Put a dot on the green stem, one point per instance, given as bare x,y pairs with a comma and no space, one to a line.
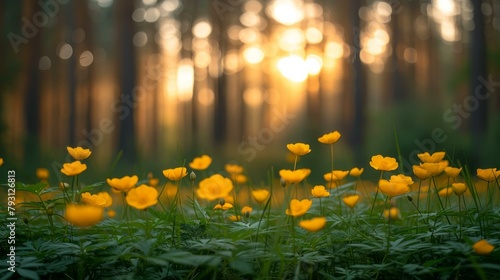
376,193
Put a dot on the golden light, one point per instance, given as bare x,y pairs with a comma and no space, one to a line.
249,35
249,19
206,97
232,62
314,64
410,55
293,67
314,35
448,31
334,50
446,8
253,97
253,6
202,59
292,39
185,80
202,29
253,54
286,12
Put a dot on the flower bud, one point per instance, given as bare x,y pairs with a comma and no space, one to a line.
192,176
222,201
282,182
410,199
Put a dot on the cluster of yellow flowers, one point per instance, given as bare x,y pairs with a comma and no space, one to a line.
88,209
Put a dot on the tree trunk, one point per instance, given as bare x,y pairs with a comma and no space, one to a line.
126,78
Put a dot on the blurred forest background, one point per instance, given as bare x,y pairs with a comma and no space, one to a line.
167,80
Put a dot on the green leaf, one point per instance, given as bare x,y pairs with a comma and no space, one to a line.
30,274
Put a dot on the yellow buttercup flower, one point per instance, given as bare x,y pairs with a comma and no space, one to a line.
299,149
142,197
434,158
294,176
226,206
320,191
421,172
93,199
459,188
351,200
435,168
123,184
335,175
392,189
107,198
201,163
314,224
152,181
381,163
42,174
330,138
1,161
356,172
79,153
400,178
83,215
246,210
175,174
74,168
488,174
445,192
482,247
260,195
233,168
298,208
392,214
214,187
452,171
234,218
239,178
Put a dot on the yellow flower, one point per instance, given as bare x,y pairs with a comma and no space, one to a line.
299,149
434,158
107,198
142,197
445,192
392,214
421,172
401,179
435,168
335,175
351,200
234,218
356,172
452,171
260,195
74,168
93,199
488,174
246,210
294,176
79,153
330,138
175,174
381,163
233,168
214,187
314,224
123,184
1,161
226,206
201,163
459,188
152,181
482,247
239,178
298,208
42,174
392,189
320,191
84,215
